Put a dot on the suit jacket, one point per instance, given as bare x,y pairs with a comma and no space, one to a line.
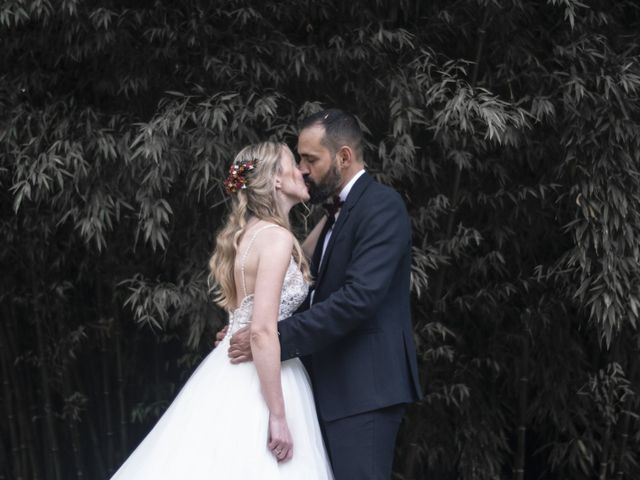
357,336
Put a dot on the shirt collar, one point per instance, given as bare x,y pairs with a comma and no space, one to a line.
347,188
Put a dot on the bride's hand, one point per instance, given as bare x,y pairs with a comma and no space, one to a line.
280,441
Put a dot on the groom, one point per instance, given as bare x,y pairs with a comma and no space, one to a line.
356,333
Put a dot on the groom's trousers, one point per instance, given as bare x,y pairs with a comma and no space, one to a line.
361,446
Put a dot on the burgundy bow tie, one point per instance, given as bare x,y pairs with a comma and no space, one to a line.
333,206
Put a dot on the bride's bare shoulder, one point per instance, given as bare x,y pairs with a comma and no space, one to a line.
274,238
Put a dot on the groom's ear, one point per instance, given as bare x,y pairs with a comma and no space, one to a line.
345,156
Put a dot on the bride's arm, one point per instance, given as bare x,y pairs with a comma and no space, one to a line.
309,244
274,254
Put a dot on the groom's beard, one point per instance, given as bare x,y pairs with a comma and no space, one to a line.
326,188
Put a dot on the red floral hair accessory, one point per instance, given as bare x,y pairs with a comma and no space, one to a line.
237,176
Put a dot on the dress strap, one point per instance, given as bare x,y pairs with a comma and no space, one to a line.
246,252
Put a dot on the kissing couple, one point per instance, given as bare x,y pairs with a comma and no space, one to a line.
312,375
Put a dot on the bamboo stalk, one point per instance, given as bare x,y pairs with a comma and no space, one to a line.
523,384
97,449
625,427
26,447
3,460
16,461
106,398
106,383
70,379
43,370
73,432
624,438
35,442
24,389
120,382
47,406
17,381
604,461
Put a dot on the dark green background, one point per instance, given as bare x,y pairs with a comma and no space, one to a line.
510,127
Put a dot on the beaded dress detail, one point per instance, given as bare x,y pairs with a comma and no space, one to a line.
218,425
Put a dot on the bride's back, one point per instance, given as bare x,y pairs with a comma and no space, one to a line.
255,243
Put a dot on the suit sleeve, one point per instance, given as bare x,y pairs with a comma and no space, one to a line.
382,238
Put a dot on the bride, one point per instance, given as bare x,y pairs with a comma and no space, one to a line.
255,420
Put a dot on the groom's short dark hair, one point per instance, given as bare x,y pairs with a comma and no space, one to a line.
341,128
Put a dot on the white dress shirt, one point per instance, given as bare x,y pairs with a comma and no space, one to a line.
343,198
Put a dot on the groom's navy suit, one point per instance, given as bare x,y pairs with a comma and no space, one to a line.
356,338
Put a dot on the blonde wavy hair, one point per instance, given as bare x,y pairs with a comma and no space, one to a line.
258,200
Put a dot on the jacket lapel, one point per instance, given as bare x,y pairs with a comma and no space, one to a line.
352,199
317,253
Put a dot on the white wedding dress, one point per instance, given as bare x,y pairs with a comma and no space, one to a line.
217,427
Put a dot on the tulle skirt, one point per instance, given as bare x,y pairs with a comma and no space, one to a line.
217,428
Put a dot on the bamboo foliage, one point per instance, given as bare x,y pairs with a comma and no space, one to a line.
510,127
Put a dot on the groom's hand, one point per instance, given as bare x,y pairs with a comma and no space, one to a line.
240,348
220,336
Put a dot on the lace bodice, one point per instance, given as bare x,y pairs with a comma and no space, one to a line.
294,291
